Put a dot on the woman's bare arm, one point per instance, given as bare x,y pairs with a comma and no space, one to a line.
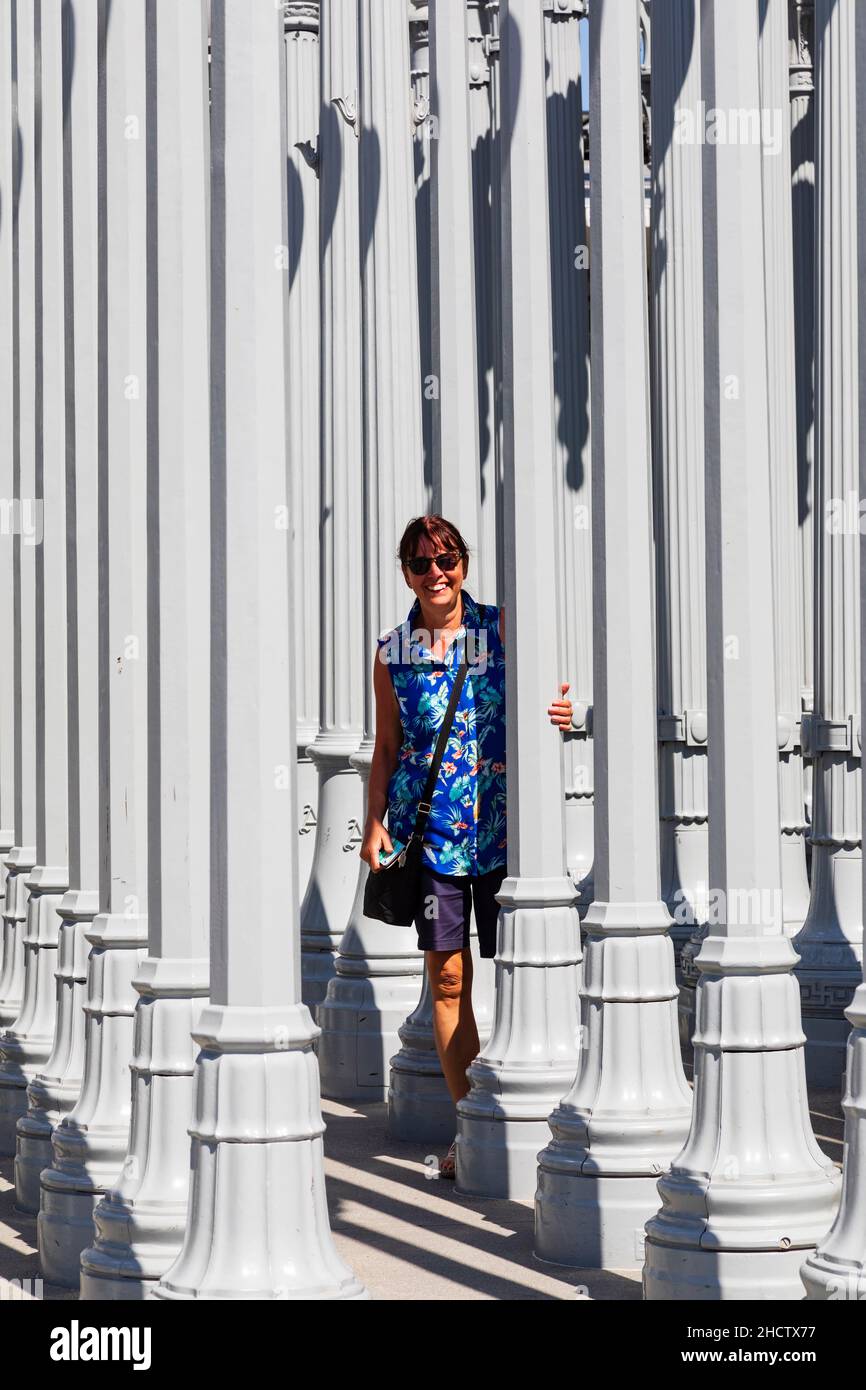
389,737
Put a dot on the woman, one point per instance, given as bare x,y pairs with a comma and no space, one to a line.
464,852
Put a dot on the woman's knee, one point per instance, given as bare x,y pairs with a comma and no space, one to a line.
447,976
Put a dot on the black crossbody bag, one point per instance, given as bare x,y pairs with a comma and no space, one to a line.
393,895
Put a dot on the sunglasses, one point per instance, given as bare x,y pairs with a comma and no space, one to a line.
448,560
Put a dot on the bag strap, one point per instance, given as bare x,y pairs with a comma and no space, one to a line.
425,804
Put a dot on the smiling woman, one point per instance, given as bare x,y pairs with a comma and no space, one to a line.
464,841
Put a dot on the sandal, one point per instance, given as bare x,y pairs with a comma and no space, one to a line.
448,1165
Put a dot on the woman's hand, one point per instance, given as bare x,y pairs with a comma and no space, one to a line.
375,838
561,710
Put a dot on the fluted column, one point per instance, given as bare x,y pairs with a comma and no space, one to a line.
140,1222
751,1189
801,41
570,300
379,968
302,110
627,1113
787,553
837,1269
28,1044
531,1056
55,1088
258,1221
21,520
424,133
333,878
678,450
456,472
831,942
419,1106
489,251
8,165
90,1142
480,75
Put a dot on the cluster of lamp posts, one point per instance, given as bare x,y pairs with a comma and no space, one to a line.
176,913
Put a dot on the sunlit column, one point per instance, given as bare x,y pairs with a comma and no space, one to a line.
837,1269
801,40
379,968
570,302
750,1190
90,1142
830,945
55,1089
140,1221
627,1113
258,1221
333,878
787,552
422,162
488,562
302,124
19,524
678,449
531,1056
419,1106
480,73
456,471
27,1041
488,257
8,165
34,1030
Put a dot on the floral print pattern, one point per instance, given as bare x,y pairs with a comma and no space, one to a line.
465,832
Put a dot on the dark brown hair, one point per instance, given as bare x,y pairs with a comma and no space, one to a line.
437,530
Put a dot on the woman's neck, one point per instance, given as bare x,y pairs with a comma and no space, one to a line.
449,623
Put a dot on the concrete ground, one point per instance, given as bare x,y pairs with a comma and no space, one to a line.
408,1236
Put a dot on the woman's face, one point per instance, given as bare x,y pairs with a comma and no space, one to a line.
438,589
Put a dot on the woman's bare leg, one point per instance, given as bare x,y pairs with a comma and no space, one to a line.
454,1027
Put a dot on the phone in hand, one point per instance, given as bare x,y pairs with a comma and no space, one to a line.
386,859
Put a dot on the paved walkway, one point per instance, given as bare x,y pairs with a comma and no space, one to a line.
408,1236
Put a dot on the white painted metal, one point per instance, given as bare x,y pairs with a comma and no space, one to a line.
91,1141
422,158
258,1224
303,372
801,22
831,942
456,471
379,968
751,1189
627,1114
480,75
27,1002
419,1106
570,303
34,1030
678,450
531,1056
781,375
837,1269
140,1221
333,878
8,406
55,1089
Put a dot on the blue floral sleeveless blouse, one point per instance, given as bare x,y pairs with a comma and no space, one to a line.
465,832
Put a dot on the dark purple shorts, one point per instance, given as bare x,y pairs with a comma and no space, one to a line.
443,921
